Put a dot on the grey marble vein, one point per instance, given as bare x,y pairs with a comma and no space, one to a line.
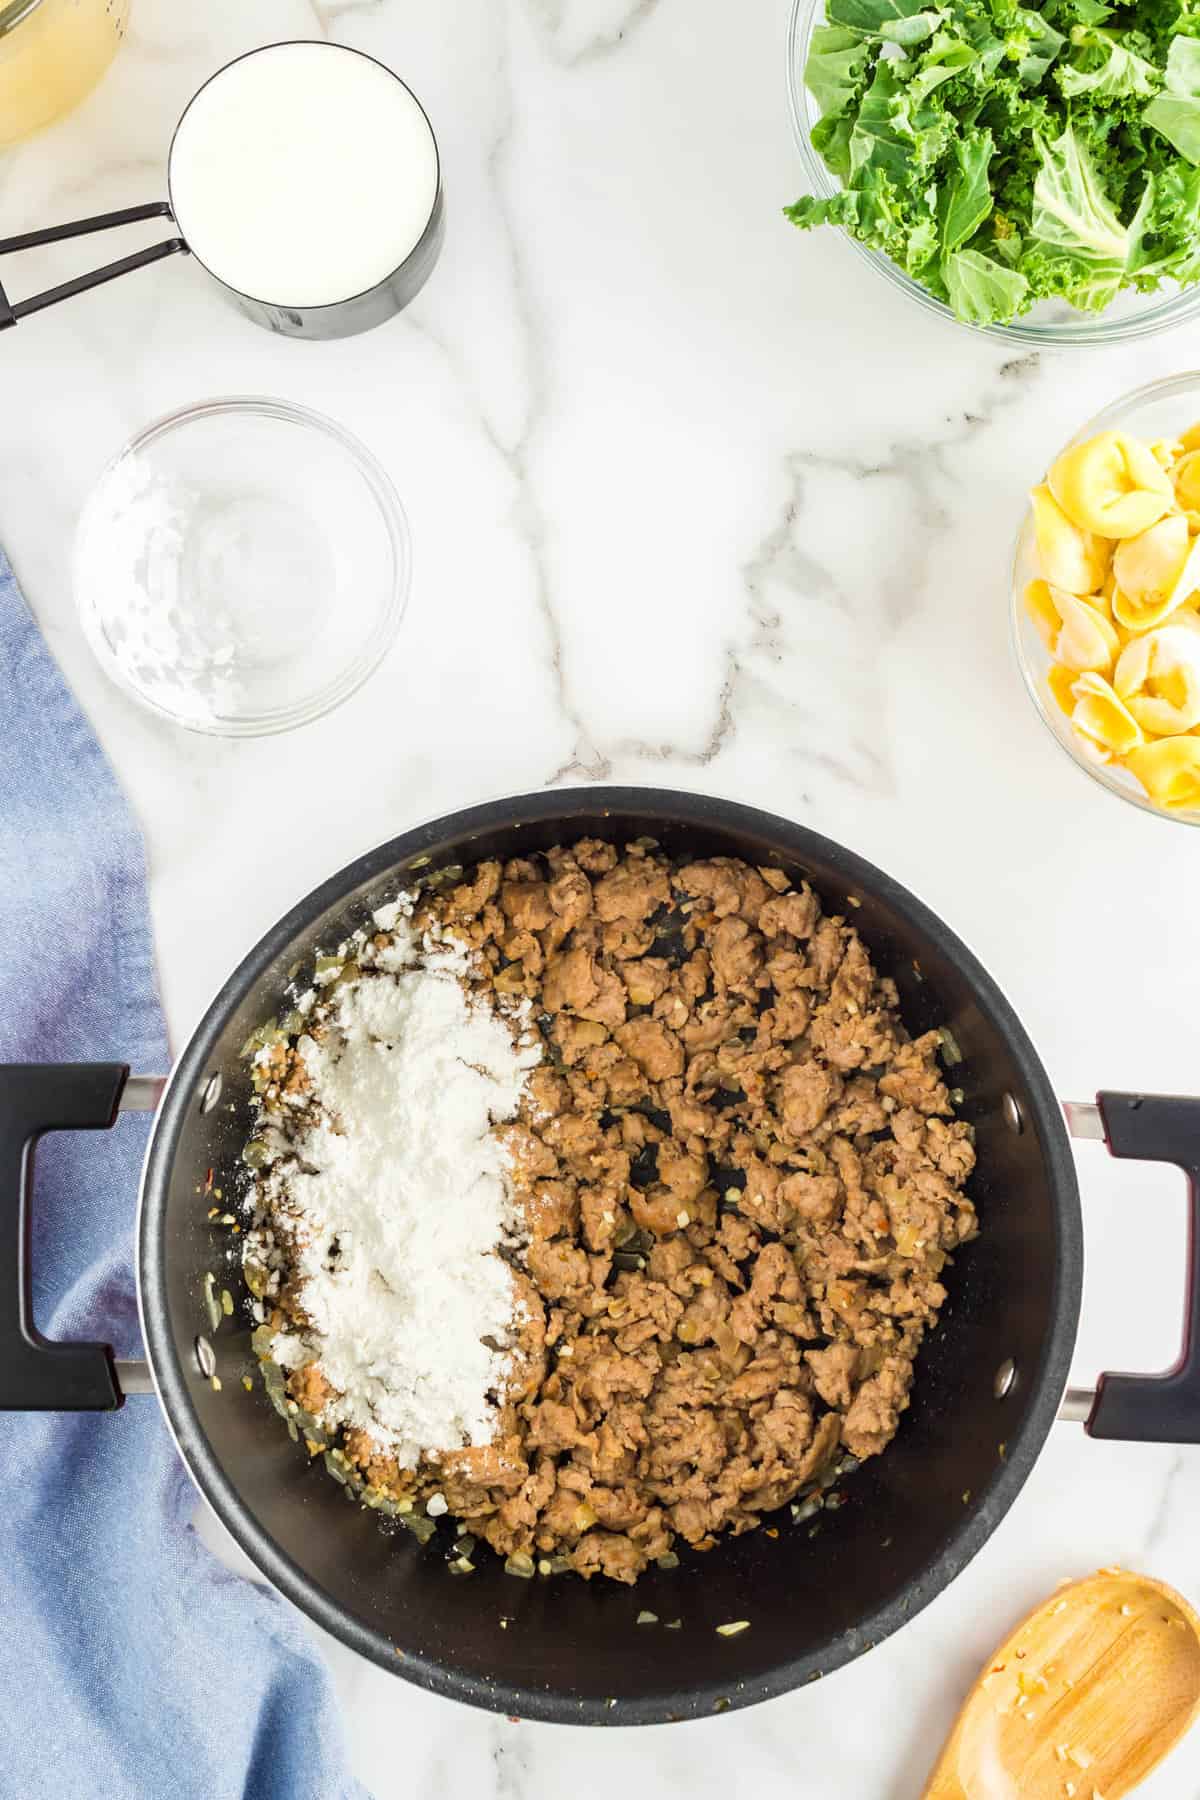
510,1762
529,513
1160,1523
551,16
328,16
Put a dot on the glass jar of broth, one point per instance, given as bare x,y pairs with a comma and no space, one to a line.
52,52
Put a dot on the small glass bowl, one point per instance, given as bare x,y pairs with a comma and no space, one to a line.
242,566
1051,324
1162,409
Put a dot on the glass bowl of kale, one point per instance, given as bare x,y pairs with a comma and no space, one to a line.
1033,172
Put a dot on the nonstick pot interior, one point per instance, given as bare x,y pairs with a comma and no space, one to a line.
821,1591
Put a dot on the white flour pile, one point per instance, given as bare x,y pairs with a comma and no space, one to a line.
399,1222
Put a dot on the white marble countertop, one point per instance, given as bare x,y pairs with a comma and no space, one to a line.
695,501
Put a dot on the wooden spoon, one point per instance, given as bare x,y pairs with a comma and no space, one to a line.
1081,1702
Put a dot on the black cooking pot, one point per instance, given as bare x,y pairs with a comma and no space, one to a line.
990,1380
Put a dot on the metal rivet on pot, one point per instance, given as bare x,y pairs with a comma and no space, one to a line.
1014,1118
1005,1376
206,1360
211,1094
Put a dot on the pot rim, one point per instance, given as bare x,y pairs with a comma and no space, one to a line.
1044,1386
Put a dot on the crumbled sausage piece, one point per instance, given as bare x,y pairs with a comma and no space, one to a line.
609,1553
659,1210
554,1427
570,895
575,1037
684,1171
814,1198
561,1271
608,1004
913,1079
471,897
646,979
835,1370
656,1050
736,955
729,886
309,1388
381,1471
805,1091
594,856
527,904
795,914
633,890
625,939
570,981
528,1153
552,1208
874,1412
500,1466
548,1093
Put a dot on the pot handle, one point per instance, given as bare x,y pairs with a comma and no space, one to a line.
37,1375
12,311
1160,1409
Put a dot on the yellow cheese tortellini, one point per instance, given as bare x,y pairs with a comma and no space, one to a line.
1117,605
1148,570
1087,640
1158,679
1077,631
1169,770
1183,618
1040,605
1070,558
1061,682
1112,485
1167,452
1101,716
1186,476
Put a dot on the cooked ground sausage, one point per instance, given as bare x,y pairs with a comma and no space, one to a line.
743,1182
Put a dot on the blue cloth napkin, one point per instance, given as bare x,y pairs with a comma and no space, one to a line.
133,1666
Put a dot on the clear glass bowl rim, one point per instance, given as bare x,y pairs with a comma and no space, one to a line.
1165,388
392,515
1086,332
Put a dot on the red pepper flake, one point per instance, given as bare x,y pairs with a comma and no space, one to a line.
208,1182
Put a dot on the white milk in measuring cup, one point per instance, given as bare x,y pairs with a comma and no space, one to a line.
305,178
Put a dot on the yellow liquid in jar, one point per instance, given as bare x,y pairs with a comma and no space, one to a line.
52,58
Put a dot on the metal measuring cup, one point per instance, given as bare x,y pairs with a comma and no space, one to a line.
339,318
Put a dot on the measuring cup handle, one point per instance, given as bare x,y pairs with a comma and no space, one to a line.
13,310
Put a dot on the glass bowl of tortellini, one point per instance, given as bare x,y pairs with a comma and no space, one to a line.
1106,598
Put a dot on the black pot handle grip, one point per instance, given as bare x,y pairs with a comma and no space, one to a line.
13,311
37,1375
1160,1409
